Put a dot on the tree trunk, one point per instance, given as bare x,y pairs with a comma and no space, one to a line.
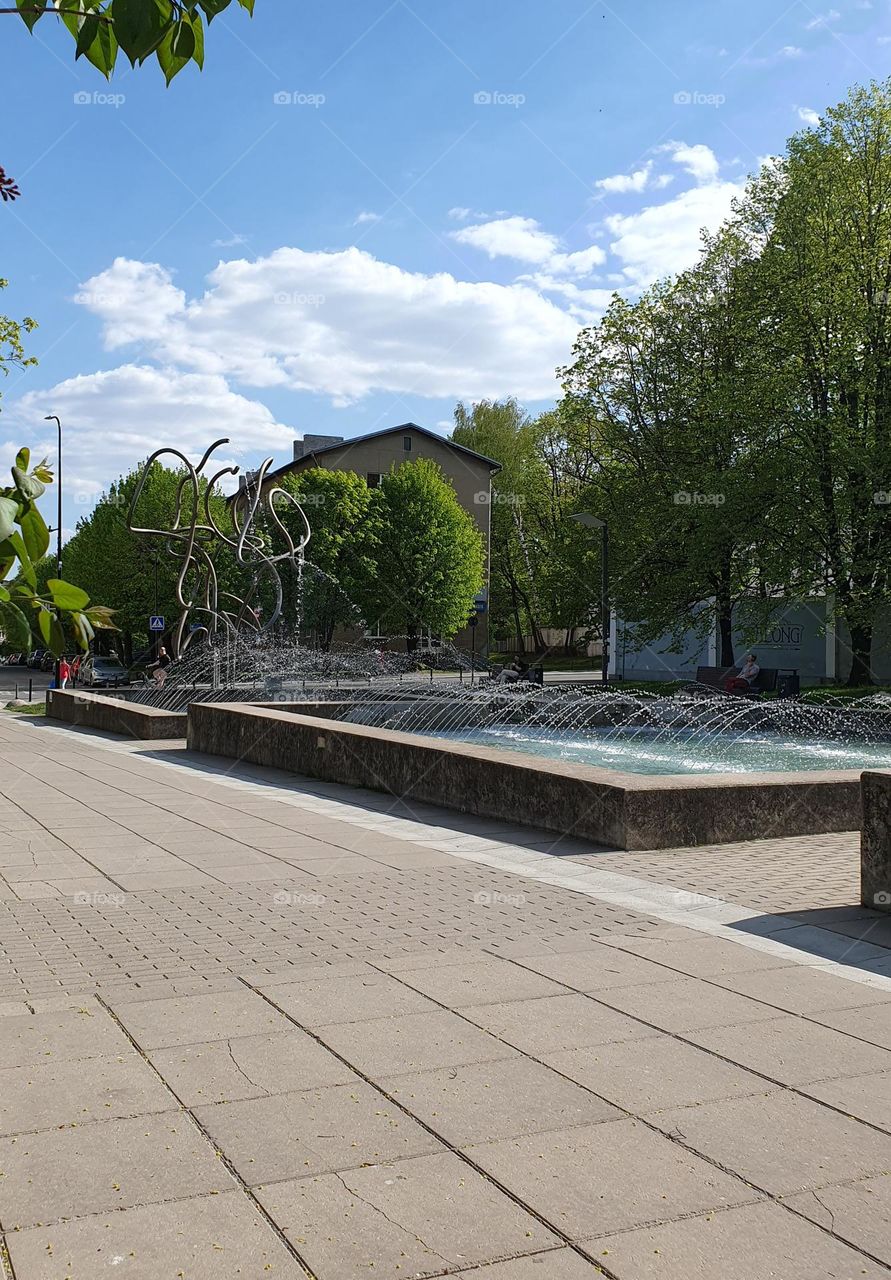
861,651
411,638
725,631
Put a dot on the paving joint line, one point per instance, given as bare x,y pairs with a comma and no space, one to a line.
221,1156
775,1198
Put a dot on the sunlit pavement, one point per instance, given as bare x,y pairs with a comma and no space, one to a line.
255,1026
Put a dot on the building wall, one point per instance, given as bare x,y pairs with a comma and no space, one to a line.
471,480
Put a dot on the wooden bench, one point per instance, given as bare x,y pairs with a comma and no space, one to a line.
714,678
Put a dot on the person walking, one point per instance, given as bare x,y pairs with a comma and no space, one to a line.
64,672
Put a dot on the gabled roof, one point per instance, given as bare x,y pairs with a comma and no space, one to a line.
391,431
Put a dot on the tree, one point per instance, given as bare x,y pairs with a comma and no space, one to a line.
338,507
670,401
170,30
118,566
425,554
822,213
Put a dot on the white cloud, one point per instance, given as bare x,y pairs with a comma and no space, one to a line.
698,160
365,217
233,242
114,419
822,20
524,240
790,51
665,238
341,324
624,182
808,116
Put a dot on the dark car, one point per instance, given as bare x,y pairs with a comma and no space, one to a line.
98,672
35,660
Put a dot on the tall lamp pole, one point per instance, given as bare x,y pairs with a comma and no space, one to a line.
593,522
51,417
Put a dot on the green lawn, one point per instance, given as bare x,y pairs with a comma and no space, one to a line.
29,709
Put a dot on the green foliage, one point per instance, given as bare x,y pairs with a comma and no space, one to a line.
135,577
426,554
32,602
172,31
12,344
337,505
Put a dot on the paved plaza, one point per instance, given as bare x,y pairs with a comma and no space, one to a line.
257,1026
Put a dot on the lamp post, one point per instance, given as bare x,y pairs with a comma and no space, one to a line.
51,417
593,522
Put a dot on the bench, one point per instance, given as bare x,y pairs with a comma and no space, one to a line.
532,675
770,680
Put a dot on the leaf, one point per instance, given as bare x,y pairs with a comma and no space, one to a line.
27,484
65,595
89,30
9,514
31,19
247,4
198,29
14,624
103,52
101,617
51,631
23,459
183,44
19,549
169,62
140,26
82,629
34,532
212,7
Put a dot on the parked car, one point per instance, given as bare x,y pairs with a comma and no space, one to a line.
98,672
35,659
48,662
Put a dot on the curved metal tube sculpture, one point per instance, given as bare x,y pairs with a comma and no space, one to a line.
191,539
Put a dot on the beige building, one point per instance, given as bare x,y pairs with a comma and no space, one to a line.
372,456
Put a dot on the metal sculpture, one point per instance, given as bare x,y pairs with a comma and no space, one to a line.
192,536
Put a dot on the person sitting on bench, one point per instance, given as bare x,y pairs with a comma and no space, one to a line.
744,682
516,671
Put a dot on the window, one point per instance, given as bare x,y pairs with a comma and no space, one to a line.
373,479
406,443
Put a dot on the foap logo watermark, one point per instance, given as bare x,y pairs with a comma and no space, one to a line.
882,898
683,498
881,498
495,98
296,98
99,99
99,899
87,499
496,899
285,899
299,299
484,499
696,98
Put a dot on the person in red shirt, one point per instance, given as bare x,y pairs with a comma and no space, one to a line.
64,672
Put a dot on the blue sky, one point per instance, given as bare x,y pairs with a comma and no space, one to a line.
363,211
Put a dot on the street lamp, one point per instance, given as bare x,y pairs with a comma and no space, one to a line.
593,522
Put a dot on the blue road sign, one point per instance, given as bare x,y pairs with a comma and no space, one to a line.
157,623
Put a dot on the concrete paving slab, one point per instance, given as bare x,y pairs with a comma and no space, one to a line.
599,969
118,1164
803,990
490,981
607,1177
556,1022
248,1067
76,1092
203,1239
780,1141
415,1042
659,1073
316,1131
48,1037
867,1097
412,1217
558,1264
353,998
859,1212
793,1050
486,1101
872,1024
737,1244
222,1015
698,956
686,1004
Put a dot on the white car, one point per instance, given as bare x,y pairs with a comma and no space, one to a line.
97,672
